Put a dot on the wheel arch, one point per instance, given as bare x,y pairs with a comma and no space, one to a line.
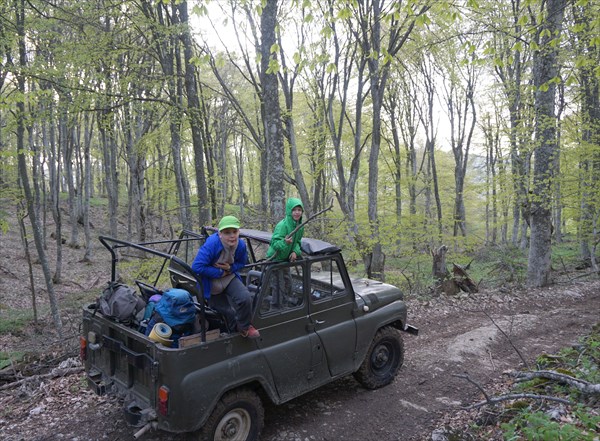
264,391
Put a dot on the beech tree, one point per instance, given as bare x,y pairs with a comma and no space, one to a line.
378,48
272,116
545,71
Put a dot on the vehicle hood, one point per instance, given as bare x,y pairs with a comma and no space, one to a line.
374,293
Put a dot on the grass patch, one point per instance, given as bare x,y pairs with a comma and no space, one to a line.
8,358
18,320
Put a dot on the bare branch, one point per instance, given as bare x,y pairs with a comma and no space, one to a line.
509,340
477,385
508,397
582,385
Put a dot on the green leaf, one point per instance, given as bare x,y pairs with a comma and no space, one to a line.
518,47
344,14
297,57
523,20
571,80
200,10
327,32
274,48
422,20
273,66
534,46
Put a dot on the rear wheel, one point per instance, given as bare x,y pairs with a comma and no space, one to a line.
238,416
383,360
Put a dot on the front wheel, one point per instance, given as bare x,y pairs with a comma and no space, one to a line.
238,416
383,360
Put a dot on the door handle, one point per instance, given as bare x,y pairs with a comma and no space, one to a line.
319,322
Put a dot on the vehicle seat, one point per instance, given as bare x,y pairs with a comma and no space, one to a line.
253,281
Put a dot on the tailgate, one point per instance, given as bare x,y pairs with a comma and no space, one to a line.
119,360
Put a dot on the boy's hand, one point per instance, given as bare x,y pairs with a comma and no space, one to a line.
293,256
289,240
224,266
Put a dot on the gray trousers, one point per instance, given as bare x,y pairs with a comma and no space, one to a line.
281,284
235,303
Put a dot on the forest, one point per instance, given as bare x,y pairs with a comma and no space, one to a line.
468,123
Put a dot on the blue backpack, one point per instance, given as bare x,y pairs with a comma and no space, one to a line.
176,308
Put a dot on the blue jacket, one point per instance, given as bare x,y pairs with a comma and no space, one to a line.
207,256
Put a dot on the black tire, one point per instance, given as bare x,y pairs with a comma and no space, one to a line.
383,360
238,416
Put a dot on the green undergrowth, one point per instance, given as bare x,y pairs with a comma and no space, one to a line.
545,420
15,321
9,358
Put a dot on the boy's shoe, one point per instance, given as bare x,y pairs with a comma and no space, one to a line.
251,332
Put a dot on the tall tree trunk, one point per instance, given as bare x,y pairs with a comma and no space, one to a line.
21,213
22,167
287,87
545,69
272,115
87,184
589,94
109,164
195,116
67,148
55,159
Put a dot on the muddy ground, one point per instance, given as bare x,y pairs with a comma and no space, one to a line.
483,335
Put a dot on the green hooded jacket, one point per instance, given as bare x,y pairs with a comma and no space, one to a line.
278,246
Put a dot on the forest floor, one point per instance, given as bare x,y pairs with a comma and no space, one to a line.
483,335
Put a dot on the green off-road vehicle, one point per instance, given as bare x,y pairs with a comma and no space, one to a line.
328,326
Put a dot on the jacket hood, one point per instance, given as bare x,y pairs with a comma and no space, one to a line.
290,204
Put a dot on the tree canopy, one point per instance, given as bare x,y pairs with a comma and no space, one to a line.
469,123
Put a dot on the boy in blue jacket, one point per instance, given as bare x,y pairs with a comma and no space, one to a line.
218,263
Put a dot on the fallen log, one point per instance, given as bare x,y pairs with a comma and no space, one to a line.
58,372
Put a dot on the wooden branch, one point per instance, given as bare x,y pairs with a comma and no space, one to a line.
581,385
490,401
508,338
55,373
477,385
291,233
507,397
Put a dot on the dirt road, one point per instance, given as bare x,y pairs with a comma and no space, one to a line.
462,335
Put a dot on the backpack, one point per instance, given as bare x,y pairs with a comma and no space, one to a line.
120,302
176,308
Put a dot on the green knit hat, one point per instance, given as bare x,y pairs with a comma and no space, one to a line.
229,222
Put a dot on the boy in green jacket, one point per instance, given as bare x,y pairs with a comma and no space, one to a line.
283,248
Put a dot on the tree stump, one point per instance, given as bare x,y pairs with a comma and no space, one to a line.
440,272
